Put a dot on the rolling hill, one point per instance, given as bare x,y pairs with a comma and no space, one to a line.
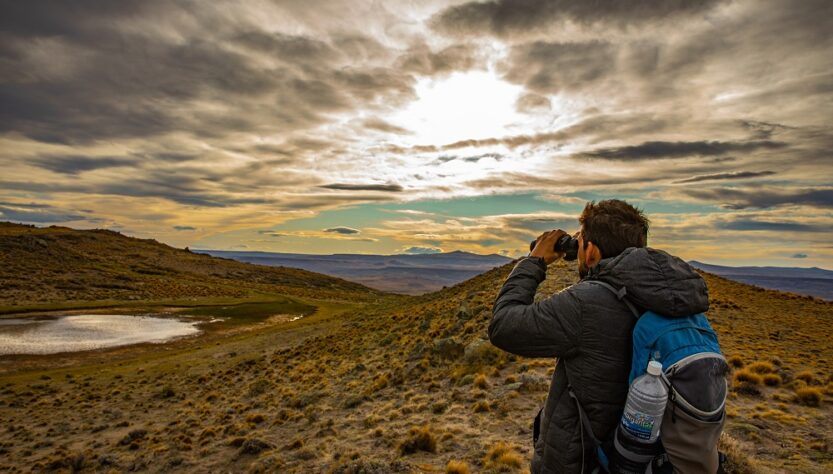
63,266
402,273
390,384
806,281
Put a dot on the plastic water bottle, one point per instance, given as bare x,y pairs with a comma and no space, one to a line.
638,431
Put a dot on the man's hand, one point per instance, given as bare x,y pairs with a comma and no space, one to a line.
545,246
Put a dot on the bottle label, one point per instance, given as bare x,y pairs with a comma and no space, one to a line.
638,425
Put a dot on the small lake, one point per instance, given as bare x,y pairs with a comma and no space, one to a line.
83,332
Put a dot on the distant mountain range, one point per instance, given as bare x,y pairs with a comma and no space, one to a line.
806,281
403,273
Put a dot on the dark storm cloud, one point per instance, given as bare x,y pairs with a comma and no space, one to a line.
364,187
723,176
127,83
76,164
39,213
177,188
659,149
342,230
758,225
744,198
506,18
557,67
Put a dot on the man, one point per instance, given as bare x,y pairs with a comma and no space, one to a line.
587,328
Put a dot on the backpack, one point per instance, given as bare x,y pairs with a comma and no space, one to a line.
694,370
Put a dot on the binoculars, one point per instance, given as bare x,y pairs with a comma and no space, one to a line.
566,244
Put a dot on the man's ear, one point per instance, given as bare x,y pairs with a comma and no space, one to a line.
592,254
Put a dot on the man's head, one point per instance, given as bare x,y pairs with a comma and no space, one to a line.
608,228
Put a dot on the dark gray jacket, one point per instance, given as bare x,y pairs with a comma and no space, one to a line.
589,330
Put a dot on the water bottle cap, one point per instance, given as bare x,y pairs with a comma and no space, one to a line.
654,367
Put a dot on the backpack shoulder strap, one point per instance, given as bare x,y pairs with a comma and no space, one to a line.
621,295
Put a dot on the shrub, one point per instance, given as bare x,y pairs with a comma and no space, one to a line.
255,418
807,376
502,457
761,368
746,376
481,406
809,396
772,380
480,381
419,439
735,361
456,467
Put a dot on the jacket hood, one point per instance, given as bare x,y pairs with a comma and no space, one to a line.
655,280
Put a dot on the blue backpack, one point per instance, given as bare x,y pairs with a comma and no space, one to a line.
694,369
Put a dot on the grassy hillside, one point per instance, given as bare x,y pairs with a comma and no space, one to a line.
403,385
64,267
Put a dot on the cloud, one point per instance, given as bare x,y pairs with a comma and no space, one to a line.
75,164
364,187
375,123
342,230
184,228
744,198
758,225
724,176
421,60
661,150
37,213
507,18
272,233
553,68
422,250
799,255
530,102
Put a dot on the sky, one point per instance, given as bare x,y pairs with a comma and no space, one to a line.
422,126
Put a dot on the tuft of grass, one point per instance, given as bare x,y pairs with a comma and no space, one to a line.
480,381
481,406
502,457
807,376
456,467
735,361
772,380
762,368
810,396
419,439
748,377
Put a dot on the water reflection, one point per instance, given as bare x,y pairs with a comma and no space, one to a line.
87,331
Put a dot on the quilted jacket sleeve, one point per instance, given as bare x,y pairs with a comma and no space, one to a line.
548,328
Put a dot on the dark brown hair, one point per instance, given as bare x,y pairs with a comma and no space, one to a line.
613,226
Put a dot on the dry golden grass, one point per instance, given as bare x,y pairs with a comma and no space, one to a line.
408,398
503,457
457,467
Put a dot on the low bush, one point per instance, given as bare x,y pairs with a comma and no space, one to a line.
761,368
772,380
456,467
809,396
746,376
419,439
807,376
502,457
